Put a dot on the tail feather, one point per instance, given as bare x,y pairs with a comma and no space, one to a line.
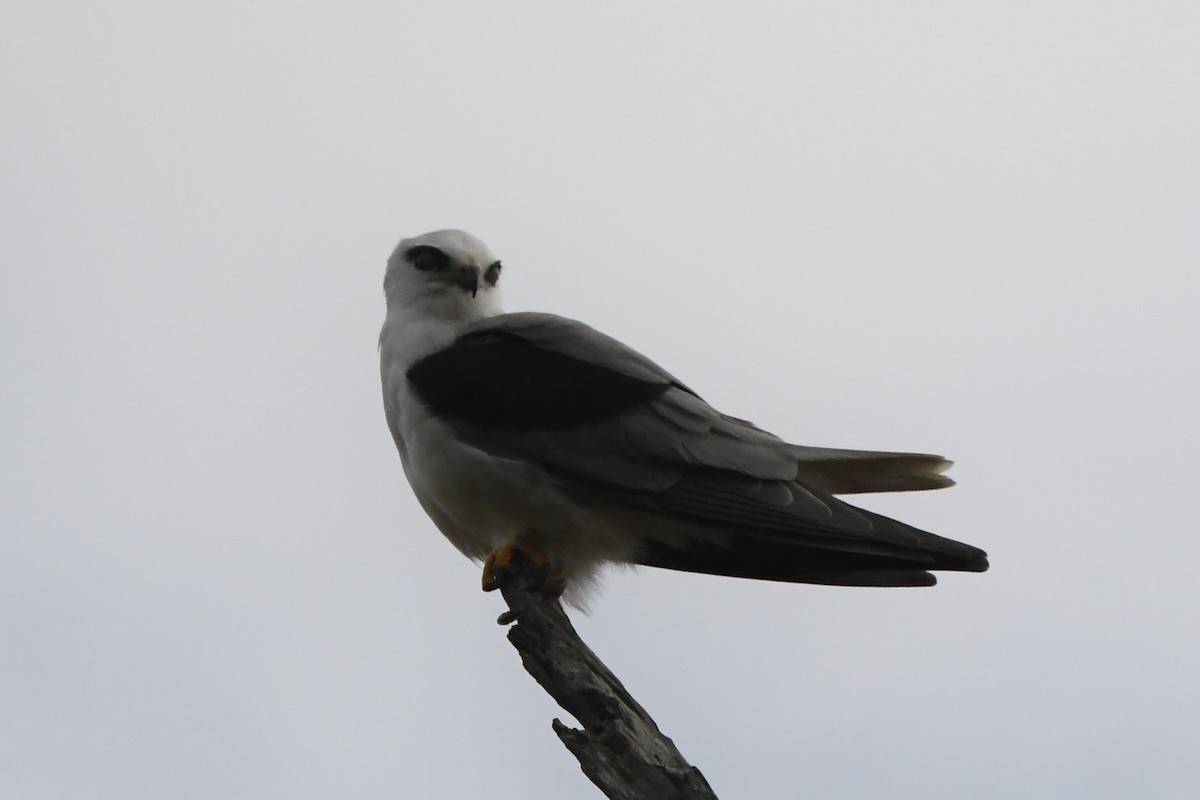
857,471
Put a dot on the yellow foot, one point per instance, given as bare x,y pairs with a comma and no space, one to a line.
520,560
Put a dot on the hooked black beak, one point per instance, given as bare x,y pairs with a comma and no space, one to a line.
468,279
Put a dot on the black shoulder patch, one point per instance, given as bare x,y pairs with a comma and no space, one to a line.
499,381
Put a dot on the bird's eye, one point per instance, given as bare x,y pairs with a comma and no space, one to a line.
493,274
425,258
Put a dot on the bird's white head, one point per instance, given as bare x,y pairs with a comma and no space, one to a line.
446,273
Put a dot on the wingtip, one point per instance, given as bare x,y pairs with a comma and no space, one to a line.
976,561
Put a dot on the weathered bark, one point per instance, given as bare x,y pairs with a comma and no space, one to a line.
620,748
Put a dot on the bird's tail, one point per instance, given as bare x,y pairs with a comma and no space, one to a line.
857,471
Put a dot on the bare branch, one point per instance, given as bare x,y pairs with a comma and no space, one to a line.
620,748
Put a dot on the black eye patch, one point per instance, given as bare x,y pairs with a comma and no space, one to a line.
426,257
492,274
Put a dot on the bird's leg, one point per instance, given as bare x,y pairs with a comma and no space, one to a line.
522,559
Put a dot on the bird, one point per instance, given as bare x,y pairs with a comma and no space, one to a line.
535,442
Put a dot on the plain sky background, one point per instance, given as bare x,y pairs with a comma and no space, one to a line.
956,227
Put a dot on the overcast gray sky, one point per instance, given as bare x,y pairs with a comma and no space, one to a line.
934,226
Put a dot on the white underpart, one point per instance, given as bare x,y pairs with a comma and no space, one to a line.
477,500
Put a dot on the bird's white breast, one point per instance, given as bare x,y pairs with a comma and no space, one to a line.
478,500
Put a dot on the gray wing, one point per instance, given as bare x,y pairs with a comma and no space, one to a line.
615,427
